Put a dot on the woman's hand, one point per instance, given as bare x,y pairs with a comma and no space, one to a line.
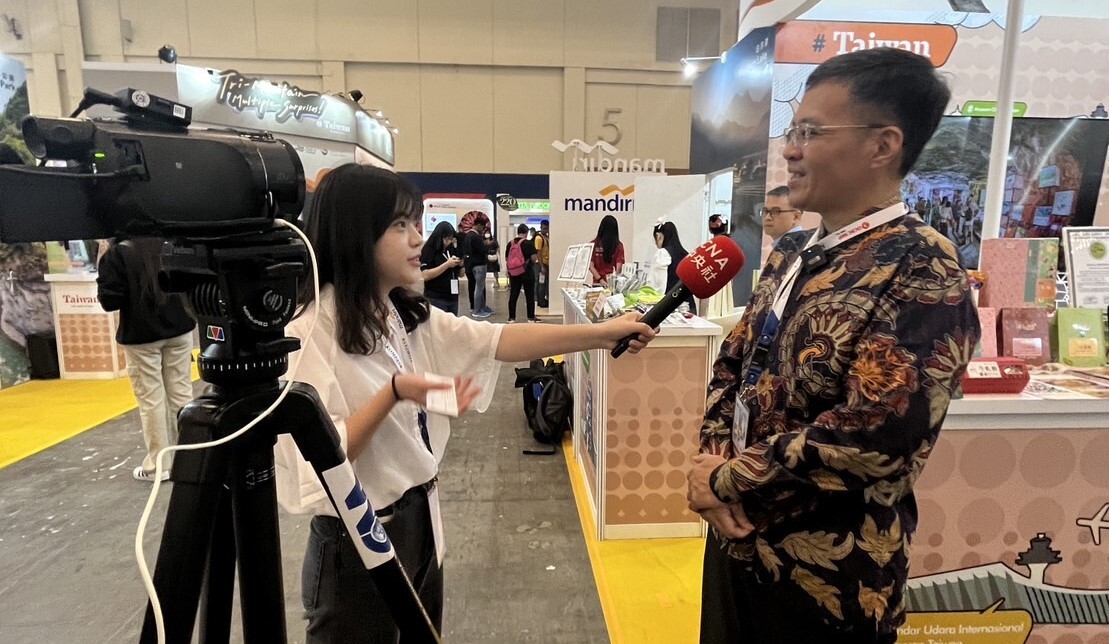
616,329
454,262
415,388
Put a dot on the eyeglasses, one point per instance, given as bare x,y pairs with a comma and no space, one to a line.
774,212
802,133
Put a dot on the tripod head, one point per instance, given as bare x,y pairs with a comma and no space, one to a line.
243,290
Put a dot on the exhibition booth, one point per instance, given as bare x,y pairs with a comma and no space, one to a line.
1013,504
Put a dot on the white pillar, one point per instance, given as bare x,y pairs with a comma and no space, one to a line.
1003,122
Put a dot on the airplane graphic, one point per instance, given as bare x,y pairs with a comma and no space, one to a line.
1096,523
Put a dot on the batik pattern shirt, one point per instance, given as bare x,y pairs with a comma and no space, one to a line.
870,350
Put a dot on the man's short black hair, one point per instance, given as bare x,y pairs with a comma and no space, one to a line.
780,191
902,86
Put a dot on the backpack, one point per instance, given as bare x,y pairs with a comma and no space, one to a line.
516,262
548,402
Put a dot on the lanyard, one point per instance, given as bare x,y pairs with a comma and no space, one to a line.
396,324
811,258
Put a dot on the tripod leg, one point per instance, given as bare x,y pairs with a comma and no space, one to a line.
258,540
188,528
219,581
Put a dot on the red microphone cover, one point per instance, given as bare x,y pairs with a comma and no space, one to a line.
712,265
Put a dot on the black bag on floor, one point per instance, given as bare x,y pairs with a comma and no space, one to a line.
42,351
548,402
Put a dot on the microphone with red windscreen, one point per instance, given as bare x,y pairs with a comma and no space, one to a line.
703,272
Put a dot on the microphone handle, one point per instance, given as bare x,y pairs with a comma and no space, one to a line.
655,315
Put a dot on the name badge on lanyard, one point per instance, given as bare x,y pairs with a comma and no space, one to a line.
397,325
454,278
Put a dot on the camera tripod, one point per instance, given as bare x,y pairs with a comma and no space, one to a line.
223,508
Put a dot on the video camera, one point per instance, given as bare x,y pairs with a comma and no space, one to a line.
214,195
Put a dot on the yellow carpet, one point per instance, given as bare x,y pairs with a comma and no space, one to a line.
650,589
42,413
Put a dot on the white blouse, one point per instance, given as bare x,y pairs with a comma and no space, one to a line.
395,459
658,269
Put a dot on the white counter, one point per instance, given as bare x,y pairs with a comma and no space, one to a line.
635,426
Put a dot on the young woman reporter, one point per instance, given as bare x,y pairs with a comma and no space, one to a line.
373,338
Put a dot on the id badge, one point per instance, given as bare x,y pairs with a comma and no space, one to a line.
454,286
542,278
739,424
436,523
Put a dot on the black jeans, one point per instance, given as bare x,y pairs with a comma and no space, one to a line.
737,609
542,286
448,305
341,602
471,281
526,283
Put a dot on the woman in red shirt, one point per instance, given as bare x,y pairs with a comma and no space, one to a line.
608,252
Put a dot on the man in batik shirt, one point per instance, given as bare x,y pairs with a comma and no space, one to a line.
813,512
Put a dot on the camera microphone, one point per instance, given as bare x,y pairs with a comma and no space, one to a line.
703,273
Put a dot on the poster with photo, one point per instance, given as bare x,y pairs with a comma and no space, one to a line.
1049,176
1064,203
1042,217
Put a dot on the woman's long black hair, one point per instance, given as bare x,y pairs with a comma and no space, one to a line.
353,207
608,237
436,243
147,252
670,242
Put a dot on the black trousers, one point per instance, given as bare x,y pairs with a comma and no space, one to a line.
341,602
450,305
471,281
527,284
737,609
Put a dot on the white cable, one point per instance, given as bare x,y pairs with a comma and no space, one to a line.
140,556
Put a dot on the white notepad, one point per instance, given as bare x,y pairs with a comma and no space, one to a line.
442,401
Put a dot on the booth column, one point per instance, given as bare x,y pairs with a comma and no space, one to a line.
1003,123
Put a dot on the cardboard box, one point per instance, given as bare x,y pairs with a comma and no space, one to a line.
1026,334
987,346
1019,272
1079,337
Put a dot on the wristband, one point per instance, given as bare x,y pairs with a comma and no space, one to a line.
393,382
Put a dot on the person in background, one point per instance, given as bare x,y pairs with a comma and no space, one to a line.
520,259
440,265
669,254
608,252
827,398
493,257
476,260
717,226
542,243
778,216
156,333
373,341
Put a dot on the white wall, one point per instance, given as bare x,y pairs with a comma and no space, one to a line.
473,85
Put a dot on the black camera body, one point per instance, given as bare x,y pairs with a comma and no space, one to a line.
214,195
111,178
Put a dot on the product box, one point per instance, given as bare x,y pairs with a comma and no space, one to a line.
987,346
1026,334
995,376
1019,272
1079,337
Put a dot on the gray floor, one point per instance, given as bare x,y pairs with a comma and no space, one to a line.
516,564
